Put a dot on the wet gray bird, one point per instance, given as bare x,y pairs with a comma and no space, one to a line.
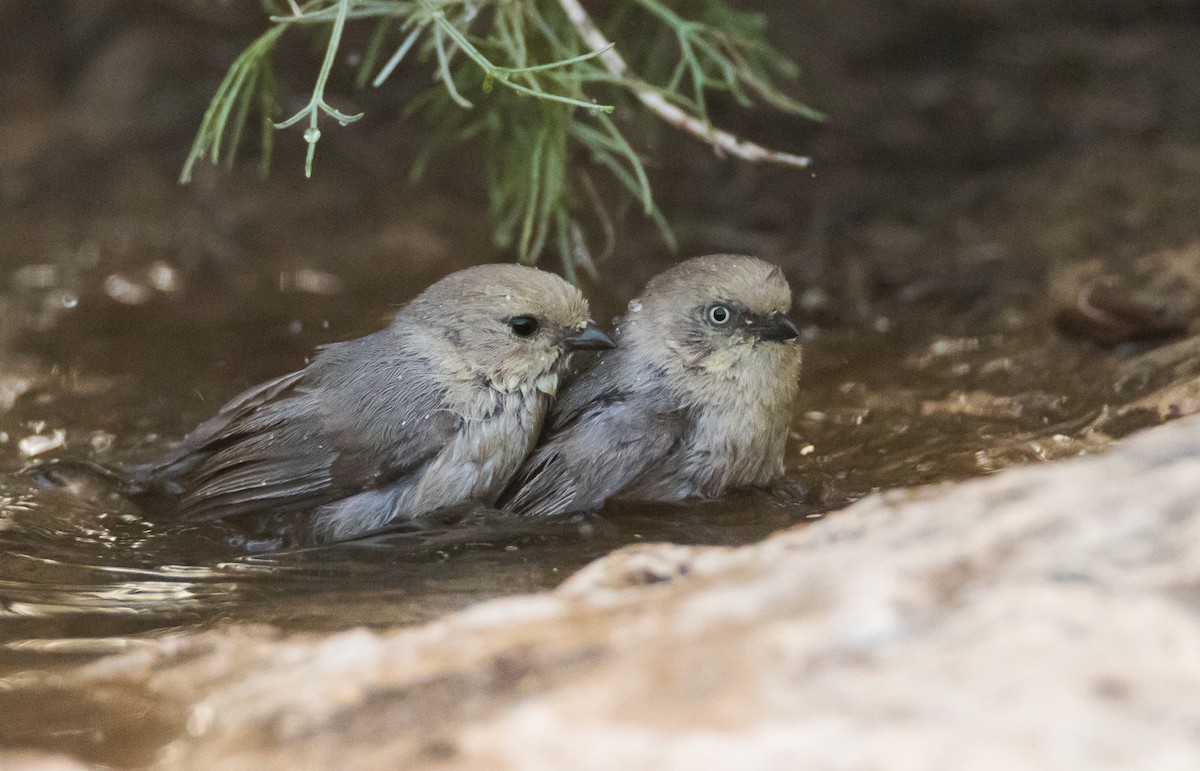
695,401
438,409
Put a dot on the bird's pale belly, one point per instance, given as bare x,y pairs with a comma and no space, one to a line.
716,457
474,466
478,463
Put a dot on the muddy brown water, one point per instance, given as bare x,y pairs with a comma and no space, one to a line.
893,402
121,362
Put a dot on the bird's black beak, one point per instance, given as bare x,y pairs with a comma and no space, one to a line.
776,328
590,338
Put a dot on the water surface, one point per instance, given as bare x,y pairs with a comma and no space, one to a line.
889,402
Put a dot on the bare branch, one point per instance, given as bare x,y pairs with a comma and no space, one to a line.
722,141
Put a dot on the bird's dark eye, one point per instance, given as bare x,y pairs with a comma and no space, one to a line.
523,326
719,314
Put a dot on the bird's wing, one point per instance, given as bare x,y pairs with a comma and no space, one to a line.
264,462
598,440
308,439
198,444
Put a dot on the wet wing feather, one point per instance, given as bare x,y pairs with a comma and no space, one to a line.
598,440
312,437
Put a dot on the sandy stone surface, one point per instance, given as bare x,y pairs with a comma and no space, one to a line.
1040,618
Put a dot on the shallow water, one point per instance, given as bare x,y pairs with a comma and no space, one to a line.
884,404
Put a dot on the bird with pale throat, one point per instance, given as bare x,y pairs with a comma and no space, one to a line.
694,402
438,409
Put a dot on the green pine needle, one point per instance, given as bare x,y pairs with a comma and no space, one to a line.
517,77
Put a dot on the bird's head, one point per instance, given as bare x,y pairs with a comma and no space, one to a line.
723,319
507,325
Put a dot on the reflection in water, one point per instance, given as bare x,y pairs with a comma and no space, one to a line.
61,563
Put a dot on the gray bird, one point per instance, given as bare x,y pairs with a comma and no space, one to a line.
438,409
695,401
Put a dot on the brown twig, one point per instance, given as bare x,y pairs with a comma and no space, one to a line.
721,141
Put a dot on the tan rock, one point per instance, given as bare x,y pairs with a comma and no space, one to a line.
1040,618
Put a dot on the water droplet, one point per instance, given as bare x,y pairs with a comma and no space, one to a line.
312,134
69,300
125,290
39,443
163,277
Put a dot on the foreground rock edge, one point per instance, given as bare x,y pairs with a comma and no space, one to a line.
1044,617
